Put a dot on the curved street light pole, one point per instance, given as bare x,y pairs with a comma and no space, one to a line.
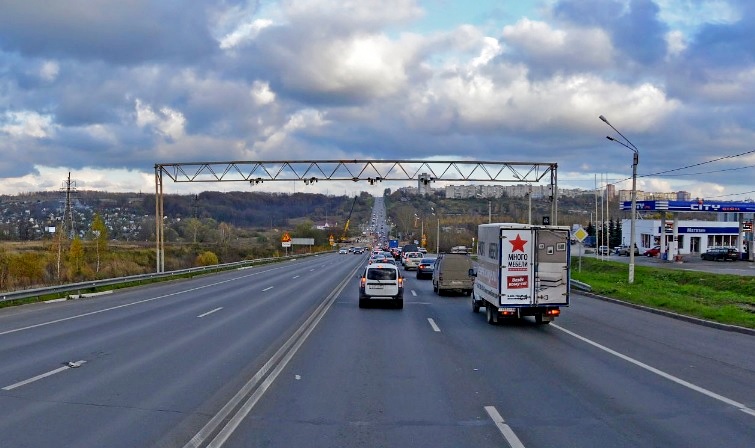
635,161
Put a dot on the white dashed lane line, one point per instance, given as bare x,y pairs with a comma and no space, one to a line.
433,324
505,429
414,293
268,288
70,365
210,312
295,276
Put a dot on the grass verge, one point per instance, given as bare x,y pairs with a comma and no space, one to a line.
728,299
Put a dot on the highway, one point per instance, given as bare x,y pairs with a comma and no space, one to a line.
281,356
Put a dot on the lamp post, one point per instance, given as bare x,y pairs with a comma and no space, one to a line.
635,161
437,232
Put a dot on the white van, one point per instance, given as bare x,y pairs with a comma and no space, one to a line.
381,282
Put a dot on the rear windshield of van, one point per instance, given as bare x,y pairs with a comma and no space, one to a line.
382,274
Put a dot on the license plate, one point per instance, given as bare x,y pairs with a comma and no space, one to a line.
376,286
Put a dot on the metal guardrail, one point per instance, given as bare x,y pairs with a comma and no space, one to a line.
88,285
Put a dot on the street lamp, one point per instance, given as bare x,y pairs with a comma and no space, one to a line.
635,161
437,232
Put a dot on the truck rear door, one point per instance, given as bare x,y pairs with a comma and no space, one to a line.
551,266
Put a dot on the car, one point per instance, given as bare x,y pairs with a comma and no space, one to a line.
451,273
603,250
425,268
653,252
358,251
720,254
411,260
624,251
381,282
343,250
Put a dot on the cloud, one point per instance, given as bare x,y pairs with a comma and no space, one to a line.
109,30
27,124
167,122
569,49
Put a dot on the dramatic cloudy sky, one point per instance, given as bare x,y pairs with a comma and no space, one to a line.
107,88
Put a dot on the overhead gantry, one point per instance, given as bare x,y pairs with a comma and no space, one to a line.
371,171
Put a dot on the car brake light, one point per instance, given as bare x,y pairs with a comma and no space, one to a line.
363,281
400,282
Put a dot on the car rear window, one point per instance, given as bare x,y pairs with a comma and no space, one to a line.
382,274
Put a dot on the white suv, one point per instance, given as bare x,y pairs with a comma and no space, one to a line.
381,281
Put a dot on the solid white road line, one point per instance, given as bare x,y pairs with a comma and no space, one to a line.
433,324
44,375
268,288
210,312
414,293
661,373
505,429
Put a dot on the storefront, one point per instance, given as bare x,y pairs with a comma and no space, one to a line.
694,237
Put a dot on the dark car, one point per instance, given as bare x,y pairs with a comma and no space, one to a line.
425,268
720,254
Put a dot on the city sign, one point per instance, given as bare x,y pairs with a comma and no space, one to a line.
692,206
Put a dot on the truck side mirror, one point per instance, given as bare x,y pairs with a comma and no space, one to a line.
472,273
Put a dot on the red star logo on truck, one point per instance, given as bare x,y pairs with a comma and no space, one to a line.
517,243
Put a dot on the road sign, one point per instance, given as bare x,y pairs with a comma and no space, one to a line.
286,238
286,243
546,220
580,234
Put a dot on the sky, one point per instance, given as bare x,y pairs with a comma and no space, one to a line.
105,89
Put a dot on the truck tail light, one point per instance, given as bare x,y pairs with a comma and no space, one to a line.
400,282
363,282
553,312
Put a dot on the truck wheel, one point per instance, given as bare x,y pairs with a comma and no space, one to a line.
491,316
362,303
475,305
398,303
540,321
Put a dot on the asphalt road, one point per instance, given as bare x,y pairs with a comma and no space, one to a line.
281,356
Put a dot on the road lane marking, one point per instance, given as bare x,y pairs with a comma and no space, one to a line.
248,396
138,302
433,324
210,312
45,375
414,293
295,276
268,288
505,429
661,373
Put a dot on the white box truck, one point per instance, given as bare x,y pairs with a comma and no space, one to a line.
522,270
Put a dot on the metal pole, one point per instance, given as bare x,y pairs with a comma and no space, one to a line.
157,219
635,161
437,238
529,198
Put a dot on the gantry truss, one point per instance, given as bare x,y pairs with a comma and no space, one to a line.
371,171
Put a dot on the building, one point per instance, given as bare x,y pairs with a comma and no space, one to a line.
695,237
610,192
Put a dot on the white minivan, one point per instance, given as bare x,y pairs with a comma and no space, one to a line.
381,282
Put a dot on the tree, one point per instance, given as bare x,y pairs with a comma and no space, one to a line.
76,256
99,230
206,258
